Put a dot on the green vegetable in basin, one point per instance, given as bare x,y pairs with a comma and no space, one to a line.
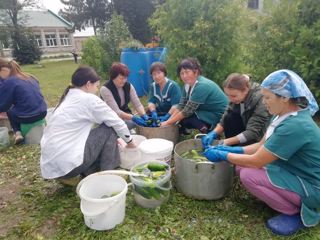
195,155
154,167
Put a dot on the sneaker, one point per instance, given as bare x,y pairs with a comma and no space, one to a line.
285,225
69,181
18,138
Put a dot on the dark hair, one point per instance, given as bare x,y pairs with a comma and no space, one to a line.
79,78
302,102
237,81
158,66
189,63
117,69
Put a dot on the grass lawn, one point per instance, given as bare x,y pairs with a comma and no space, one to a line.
32,208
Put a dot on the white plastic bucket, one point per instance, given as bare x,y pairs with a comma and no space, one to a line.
156,149
130,156
4,137
101,212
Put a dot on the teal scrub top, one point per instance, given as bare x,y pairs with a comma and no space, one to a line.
211,99
165,99
296,141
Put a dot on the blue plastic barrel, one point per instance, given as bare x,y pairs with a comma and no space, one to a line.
139,62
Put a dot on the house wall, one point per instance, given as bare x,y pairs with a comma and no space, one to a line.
78,42
47,44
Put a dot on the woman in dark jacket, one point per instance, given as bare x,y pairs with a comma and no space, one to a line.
246,118
20,97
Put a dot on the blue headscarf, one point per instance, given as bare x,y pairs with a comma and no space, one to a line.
287,83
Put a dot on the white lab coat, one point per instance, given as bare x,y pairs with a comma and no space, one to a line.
65,136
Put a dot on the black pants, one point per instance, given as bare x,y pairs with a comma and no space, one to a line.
15,120
233,126
100,153
194,122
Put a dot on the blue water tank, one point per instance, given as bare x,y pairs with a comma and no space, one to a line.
139,62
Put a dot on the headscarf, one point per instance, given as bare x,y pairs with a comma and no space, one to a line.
287,83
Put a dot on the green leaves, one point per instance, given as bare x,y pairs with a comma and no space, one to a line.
208,30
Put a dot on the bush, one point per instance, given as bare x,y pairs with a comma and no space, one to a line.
102,51
93,54
289,37
211,31
25,50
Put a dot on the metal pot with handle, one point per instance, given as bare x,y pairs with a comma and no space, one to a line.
201,180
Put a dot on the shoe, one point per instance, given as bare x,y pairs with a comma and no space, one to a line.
285,225
133,131
185,131
18,138
69,181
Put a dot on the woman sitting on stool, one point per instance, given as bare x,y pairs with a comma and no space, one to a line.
20,97
70,146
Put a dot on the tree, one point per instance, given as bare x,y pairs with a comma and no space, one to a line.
87,12
289,37
210,30
136,14
101,51
25,48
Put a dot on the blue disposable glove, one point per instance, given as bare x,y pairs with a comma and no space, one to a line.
139,120
165,117
145,117
235,149
207,139
215,155
154,117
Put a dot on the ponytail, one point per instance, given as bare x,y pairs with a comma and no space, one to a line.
65,92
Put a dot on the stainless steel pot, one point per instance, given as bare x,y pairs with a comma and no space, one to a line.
200,180
170,133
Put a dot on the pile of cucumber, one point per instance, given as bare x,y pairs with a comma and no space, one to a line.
149,188
194,155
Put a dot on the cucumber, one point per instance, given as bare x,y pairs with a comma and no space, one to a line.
143,192
155,167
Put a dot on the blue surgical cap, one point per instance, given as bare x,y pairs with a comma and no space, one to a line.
287,83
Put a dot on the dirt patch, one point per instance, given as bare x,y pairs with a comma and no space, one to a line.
48,228
8,195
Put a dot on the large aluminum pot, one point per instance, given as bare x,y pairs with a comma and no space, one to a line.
170,133
200,180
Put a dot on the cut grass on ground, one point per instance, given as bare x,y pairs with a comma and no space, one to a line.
32,208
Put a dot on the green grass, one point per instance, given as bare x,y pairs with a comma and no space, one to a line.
54,77
32,208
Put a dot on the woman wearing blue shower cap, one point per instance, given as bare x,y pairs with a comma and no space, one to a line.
283,169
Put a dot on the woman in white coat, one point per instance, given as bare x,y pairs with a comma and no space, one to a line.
70,146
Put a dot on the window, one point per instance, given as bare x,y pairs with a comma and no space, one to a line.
51,40
38,40
65,40
254,4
